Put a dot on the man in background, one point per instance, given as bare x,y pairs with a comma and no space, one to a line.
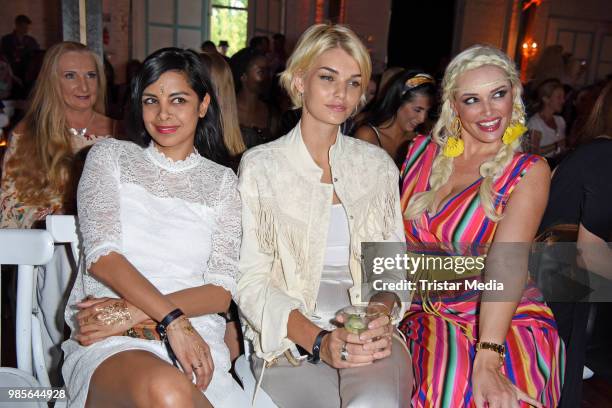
17,48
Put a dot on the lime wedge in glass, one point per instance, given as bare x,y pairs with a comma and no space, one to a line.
355,324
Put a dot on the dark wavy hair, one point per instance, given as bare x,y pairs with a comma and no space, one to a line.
209,132
393,96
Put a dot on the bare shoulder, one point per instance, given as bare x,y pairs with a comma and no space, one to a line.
537,178
366,133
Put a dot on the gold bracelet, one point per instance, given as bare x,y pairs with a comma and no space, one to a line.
184,324
498,348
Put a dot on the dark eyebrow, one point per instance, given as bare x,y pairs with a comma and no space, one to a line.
329,69
336,72
75,71
499,88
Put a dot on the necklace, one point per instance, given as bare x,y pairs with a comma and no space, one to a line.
83,131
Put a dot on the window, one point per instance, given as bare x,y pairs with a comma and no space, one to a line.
187,23
175,23
228,22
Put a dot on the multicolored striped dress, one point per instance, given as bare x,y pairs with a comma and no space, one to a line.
441,351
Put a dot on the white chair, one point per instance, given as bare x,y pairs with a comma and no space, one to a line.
26,249
63,229
242,368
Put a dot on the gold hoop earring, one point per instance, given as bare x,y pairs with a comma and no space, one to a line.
454,145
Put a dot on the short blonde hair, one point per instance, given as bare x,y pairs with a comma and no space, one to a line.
316,40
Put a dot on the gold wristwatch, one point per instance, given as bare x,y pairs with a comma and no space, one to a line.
498,348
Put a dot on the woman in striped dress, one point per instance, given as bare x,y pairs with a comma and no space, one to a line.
467,184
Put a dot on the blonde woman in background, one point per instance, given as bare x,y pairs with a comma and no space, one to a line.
223,82
547,126
41,165
309,199
467,184
66,114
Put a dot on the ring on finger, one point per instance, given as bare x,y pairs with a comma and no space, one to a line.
344,353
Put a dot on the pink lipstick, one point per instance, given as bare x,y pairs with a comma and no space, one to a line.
166,129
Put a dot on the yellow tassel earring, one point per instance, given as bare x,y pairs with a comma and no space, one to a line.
513,132
454,144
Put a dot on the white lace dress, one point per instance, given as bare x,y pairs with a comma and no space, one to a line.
179,224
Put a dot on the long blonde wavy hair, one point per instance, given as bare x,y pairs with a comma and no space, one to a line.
222,79
44,155
474,57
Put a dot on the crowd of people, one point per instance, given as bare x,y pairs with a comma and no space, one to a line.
246,186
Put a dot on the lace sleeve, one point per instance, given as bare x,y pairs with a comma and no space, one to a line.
98,202
223,262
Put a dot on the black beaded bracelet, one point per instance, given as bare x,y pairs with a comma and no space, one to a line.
162,330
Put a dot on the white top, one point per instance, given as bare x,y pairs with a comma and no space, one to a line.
178,223
336,278
549,135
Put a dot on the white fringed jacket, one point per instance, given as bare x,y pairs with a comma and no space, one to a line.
285,219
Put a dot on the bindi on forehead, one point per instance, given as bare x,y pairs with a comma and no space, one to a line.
170,83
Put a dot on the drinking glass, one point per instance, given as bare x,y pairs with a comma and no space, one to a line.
357,318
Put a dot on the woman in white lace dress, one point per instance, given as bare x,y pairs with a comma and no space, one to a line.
161,232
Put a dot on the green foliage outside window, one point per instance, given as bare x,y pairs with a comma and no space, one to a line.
229,24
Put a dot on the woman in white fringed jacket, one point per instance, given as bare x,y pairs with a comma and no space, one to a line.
309,200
